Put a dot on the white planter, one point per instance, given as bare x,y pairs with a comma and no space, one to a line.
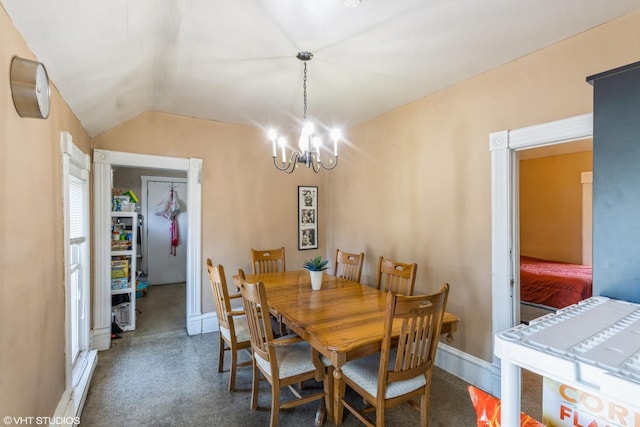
316,279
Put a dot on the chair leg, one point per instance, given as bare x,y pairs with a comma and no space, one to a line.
232,375
424,410
275,405
221,355
380,415
255,387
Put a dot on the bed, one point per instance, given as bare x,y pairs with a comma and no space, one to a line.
553,284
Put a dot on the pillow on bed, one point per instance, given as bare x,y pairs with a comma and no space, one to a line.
487,409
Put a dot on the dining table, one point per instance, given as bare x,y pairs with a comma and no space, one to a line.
343,320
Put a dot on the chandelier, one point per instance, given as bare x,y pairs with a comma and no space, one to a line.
309,143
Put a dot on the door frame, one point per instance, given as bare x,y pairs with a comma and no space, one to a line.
103,182
144,179
505,239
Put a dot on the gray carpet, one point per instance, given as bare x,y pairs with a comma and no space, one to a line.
159,376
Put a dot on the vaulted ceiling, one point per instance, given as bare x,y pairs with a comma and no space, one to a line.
235,60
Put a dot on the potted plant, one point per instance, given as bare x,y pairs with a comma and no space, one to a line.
316,267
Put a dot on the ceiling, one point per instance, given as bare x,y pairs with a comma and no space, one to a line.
235,60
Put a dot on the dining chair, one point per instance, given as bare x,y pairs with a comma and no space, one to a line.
268,260
283,361
234,330
396,277
348,265
399,374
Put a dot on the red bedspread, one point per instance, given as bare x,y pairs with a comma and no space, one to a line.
554,284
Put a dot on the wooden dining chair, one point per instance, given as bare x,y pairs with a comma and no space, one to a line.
399,374
348,265
268,260
234,330
283,361
396,277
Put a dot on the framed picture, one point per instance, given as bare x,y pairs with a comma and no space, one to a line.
307,217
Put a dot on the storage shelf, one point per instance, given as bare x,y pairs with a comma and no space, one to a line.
125,311
122,253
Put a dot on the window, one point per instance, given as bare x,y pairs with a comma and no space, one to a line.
79,359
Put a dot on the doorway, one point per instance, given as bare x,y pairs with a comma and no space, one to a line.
163,262
554,214
505,239
104,161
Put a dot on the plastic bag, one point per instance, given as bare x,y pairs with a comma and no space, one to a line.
169,208
487,409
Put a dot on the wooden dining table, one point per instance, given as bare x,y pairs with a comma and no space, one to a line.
344,320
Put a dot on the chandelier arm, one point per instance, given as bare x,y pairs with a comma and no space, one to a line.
333,163
315,163
290,166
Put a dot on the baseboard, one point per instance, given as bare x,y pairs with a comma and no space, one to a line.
101,338
194,325
209,322
70,406
471,369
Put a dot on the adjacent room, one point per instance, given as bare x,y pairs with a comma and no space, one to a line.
201,194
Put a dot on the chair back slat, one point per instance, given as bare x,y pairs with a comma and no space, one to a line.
254,300
396,277
268,260
348,265
419,319
220,293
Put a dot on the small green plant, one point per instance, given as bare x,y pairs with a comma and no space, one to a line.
315,264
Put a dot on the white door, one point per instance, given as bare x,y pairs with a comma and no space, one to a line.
165,263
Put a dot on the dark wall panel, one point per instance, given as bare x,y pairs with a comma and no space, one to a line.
616,183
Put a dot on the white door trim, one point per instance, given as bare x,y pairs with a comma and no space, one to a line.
103,162
505,246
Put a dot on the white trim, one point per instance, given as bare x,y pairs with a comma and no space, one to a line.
505,245
103,161
194,244
78,374
467,367
586,179
70,405
209,322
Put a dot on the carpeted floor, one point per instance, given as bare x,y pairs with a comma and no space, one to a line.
159,376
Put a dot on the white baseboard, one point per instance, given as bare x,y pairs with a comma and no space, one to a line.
101,338
471,369
194,325
70,406
209,322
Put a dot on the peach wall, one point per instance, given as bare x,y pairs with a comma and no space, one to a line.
32,310
416,184
551,206
246,202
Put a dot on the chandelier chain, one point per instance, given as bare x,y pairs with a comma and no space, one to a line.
304,86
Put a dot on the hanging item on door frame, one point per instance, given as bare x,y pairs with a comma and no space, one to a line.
169,208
